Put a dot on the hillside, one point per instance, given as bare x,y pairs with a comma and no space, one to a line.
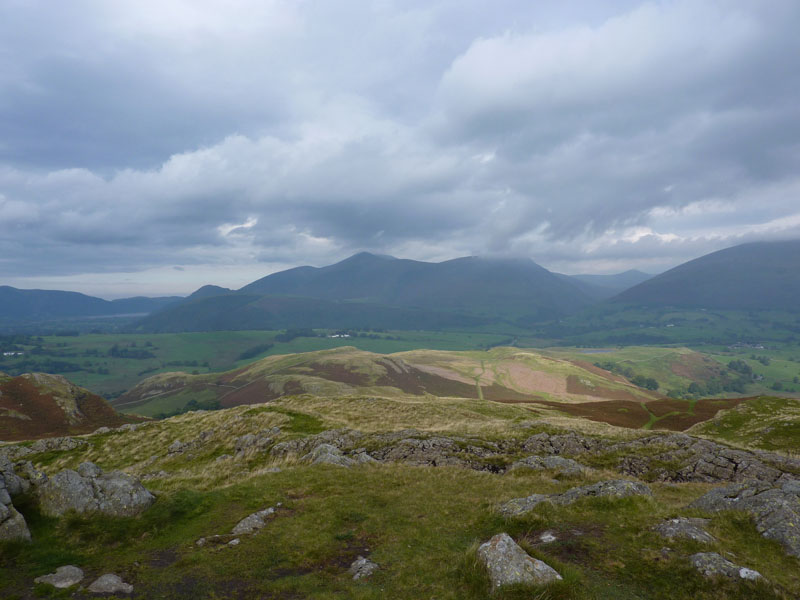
367,290
39,405
31,305
291,498
560,384
758,276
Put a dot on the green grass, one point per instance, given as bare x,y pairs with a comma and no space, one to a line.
767,423
421,525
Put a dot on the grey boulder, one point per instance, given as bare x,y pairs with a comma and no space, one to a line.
252,523
509,564
776,510
110,584
64,577
90,490
711,564
12,523
683,527
361,568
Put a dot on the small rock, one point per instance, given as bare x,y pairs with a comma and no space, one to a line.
234,542
102,430
547,537
361,568
508,564
64,577
253,523
223,457
683,527
110,584
711,564
177,447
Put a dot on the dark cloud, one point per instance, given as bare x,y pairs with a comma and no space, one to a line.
595,136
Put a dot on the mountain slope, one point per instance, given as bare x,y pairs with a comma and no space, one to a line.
756,276
49,304
41,405
367,290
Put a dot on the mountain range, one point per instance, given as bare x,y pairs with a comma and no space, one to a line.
378,291
55,304
384,292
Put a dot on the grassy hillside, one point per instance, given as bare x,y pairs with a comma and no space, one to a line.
421,525
40,405
561,383
90,361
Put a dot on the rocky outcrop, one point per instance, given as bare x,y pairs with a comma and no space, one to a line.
12,523
711,564
110,584
568,443
257,442
509,564
775,510
686,528
559,464
362,568
619,488
64,577
90,490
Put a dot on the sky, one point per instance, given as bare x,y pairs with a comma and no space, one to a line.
151,147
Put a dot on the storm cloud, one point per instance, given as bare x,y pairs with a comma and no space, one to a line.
231,140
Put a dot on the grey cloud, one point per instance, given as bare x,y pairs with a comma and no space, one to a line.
597,135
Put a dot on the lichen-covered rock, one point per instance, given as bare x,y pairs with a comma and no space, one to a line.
565,466
114,493
110,584
56,444
64,577
362,568
618,488
326,454
711,564
520,506
254,522
12,523
20,476
508,564
776,510
687,528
